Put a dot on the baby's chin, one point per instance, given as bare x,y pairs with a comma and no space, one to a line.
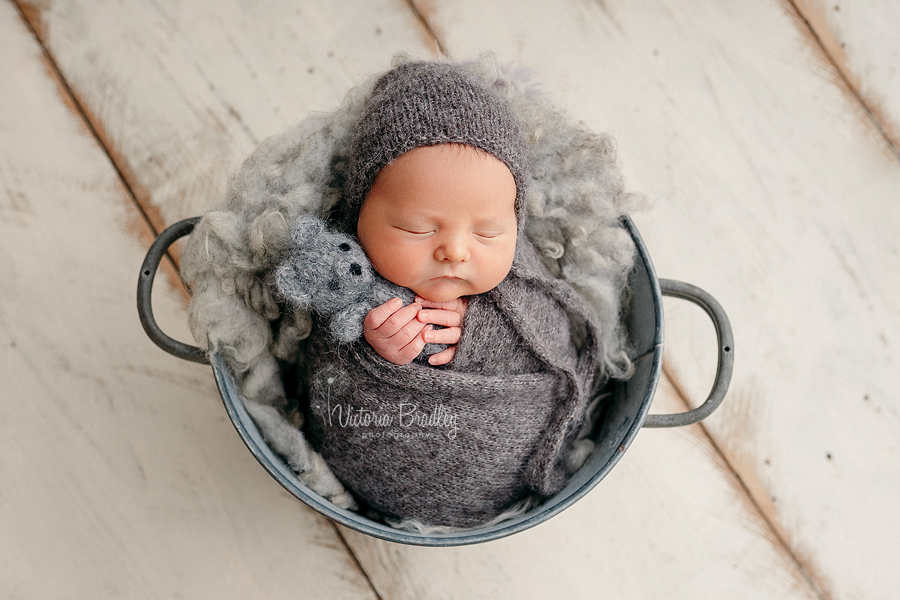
445,291
431,296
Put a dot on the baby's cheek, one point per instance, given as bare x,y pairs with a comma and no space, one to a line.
495,267
396,263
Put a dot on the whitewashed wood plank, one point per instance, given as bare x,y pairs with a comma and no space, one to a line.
775,193
405,572
671,521
120,475
181,92
862,40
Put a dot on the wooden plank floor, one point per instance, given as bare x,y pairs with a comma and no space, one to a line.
765,135
118,469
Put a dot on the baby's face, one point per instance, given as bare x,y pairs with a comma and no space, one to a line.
441,221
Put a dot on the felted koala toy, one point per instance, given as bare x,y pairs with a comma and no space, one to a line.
330,273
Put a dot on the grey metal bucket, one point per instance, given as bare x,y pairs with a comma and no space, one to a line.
626,412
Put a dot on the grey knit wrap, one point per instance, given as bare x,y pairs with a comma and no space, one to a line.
425,104
459,445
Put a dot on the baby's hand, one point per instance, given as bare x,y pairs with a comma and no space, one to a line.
398,333
450,314
394,331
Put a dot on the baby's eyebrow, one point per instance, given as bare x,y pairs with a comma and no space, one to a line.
405,219
419,218
494,223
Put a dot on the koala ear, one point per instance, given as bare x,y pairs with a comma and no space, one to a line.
308,228
288,282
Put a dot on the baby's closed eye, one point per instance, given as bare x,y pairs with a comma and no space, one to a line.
418,231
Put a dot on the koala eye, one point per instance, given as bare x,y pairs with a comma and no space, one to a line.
356,269
333,285
345,247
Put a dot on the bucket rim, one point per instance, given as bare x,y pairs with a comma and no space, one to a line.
284,475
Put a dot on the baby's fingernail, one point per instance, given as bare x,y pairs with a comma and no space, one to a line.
429,336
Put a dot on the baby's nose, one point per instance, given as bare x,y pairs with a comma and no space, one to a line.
452,250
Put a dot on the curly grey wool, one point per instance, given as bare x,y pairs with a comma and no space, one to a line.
574,201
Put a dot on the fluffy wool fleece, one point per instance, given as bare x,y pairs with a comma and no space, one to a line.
574,204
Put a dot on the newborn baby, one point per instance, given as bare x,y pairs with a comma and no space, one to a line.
441,221
435,195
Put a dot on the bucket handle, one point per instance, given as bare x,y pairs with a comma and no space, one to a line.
668,287
145,285
725,367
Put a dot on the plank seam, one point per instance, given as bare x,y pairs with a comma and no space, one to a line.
423,21
871,112
352,554
82,113
770,523
79,108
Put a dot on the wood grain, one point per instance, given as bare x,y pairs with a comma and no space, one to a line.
773,190
670,521
182,92
120,475
859,41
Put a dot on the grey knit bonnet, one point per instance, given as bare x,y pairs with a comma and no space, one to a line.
425,104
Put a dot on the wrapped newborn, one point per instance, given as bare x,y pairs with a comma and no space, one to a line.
436,183
460,444
461,396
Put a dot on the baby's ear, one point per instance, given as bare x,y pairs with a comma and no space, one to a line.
288,282
308,228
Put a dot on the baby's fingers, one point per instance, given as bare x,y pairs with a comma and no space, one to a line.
386,320
449,335
410,351
443,357
447,318
378,315
458,305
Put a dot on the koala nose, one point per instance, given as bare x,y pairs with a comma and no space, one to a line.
356,269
